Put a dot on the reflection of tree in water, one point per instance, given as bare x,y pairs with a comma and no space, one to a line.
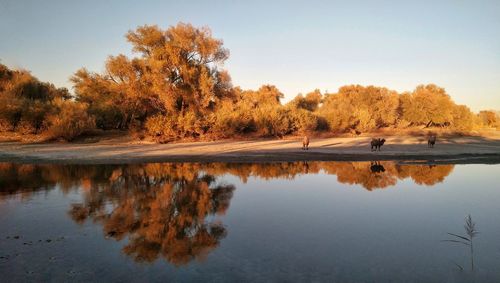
24,179
425,174
382,174
361,173
162,211
15,178
166,210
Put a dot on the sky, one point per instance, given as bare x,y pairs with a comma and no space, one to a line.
298,46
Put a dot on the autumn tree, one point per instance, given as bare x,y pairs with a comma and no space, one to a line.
25,102
427,105
361,108
487,118
308,102
71,121
259,111
176,78
463,118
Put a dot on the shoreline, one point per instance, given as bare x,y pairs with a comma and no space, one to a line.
407,160
406,149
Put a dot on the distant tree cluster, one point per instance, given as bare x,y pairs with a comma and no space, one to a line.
30,106
176,89
368,108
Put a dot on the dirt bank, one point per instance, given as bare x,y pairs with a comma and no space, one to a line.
413,149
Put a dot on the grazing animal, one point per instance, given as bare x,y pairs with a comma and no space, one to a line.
431,141
377,144
305,143
376,167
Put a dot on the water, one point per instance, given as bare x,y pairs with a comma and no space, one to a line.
303,221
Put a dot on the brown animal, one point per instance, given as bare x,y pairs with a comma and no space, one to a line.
431,141
377,144
305,143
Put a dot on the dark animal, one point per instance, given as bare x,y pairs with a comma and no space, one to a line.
431,141
377,144
305,143
376,167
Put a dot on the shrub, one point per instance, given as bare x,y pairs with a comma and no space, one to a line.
273,121
72,120
463,119
10,112
304,121
160,127
231,120
166,128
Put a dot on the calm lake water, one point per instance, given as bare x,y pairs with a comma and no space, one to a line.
302,221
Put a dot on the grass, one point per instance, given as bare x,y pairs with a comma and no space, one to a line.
467,240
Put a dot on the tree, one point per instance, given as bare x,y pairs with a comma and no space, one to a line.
177,73
360,108
463,118
24,100
487,118
427,105
308,102
266,95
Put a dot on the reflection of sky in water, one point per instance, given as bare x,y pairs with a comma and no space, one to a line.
311,227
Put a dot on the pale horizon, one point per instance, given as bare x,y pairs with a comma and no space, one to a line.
296,46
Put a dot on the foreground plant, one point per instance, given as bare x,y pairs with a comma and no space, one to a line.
470,230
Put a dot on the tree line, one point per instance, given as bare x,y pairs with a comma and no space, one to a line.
175,88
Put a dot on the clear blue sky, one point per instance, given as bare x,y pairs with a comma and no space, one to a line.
296,45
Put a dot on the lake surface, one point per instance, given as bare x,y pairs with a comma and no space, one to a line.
301,221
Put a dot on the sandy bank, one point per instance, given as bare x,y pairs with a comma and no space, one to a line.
450,150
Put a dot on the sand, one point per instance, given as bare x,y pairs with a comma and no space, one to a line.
116,150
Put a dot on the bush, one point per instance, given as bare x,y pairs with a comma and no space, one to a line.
231,120
360,108
107,116
71,122
463,118
304,121
166,128
273,121
158,125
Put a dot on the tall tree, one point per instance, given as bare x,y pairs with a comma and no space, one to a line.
178,71
427,105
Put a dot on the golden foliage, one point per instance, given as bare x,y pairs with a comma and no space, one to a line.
175,88
71,121
25,102
360,108
176,75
